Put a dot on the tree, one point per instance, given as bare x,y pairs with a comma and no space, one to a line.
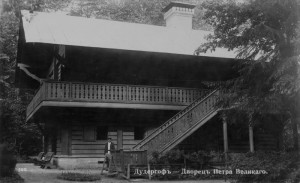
140,11
266,37
24,138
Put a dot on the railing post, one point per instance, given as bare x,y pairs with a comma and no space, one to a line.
70,91
167,95
127,93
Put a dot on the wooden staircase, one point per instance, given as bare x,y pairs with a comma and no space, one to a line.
182,125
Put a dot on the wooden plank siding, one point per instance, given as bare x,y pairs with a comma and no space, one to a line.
49,145
83,148
128,139
58,145
265,142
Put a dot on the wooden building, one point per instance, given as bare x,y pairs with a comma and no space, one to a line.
140,85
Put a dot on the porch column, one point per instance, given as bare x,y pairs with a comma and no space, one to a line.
43,143
119,139
46,143
66,139
251,142
225,135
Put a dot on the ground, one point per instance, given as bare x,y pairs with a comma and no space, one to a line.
34,174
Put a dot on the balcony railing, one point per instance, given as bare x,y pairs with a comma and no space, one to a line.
113,93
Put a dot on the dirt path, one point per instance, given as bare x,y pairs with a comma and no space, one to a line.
34,174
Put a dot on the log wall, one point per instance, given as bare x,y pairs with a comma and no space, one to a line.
95,148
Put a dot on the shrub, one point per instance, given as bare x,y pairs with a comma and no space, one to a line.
7,161
171,157
15,178
278,165
76,176
196,160
294,177
201,159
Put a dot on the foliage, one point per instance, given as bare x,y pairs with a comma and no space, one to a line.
277,164
176,156
174,161
13,128
7,161
14,6
171,157
24,137
294,176
288,136
15,178
265,34
203,159
75,176
142,11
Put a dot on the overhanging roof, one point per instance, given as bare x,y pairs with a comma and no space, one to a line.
54,28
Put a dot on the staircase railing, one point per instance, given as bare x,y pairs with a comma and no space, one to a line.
179,126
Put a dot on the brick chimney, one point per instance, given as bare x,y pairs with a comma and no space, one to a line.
179,15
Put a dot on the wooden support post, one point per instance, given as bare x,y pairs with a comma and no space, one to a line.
225,137
119,139
225,134
43,141
149,174
66,139
251,141
46,142
128,171
122,160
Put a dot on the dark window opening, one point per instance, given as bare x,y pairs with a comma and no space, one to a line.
89,133
102,132
139,133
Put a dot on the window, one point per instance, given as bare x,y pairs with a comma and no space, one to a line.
102,132
89,133
139,133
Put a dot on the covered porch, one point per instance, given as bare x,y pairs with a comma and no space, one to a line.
77,136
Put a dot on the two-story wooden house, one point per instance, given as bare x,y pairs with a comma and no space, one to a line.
141,85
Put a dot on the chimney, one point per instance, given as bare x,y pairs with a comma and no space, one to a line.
179,15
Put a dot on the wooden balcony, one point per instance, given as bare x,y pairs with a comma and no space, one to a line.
75,94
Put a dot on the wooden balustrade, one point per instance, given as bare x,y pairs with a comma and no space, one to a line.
91,92
38,97
181,123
